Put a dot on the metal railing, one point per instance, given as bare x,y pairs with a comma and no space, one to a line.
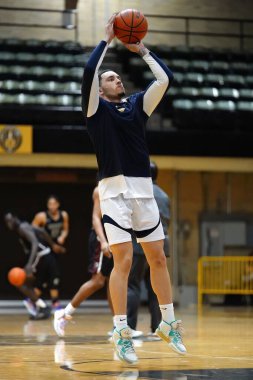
69,19
188,26
224,275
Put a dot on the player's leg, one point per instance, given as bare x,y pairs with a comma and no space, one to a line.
169,329
117,221
41,277
97,281
149,232
134,291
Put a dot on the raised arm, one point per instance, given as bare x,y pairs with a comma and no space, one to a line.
90,83
163,77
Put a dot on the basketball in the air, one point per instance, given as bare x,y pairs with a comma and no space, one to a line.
16,276
130,26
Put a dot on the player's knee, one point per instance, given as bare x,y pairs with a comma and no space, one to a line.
158,261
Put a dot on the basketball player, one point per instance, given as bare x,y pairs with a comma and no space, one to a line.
56,223
41,266
116,126
54,220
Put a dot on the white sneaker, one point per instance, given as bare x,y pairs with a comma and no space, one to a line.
171,333
30,306
60,321
136,333
124,345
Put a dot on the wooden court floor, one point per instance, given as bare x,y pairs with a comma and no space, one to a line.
219,343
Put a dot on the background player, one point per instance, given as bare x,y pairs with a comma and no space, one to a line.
56,223
41,265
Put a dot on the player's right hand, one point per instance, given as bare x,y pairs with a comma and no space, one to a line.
105,248
58,248
109,31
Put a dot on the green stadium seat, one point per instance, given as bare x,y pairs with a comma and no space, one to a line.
213,80
59,72
229,94
178,79
27,58
188,93
219,67
193,79
246,94
210,93
199,66
44,58
7,56
76,73
72,87
235,81
179,65
11,85
240,68
77,101
65,100
39,71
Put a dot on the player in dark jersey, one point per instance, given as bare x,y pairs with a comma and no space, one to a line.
100,267
116,125
56,223
41,266
54,220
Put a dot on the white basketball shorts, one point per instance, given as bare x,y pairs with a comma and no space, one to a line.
123,216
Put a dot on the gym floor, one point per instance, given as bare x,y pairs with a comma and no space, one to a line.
219,343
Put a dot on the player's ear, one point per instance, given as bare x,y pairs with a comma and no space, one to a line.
101,92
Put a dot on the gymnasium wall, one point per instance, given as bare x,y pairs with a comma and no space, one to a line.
94,14
198,192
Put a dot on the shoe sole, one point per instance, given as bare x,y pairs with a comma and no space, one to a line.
167,340
125,360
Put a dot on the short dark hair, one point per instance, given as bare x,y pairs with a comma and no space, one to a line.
153,170
52,196
101,73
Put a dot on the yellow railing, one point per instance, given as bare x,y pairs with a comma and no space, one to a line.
224,275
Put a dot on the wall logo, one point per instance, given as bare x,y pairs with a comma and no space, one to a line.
10,138
16,139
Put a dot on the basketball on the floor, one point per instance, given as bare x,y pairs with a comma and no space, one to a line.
130,26
16,276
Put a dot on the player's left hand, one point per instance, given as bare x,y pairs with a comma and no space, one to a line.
60,240
138,48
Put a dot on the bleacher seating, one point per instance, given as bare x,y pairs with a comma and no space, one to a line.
46,73
213,88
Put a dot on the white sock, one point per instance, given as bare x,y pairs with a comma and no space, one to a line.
167,312
120,322
69,309
40,303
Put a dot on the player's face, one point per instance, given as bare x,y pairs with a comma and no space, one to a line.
53,205
111,86
9,221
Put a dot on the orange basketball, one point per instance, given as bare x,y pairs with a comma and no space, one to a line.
16,276
130,26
